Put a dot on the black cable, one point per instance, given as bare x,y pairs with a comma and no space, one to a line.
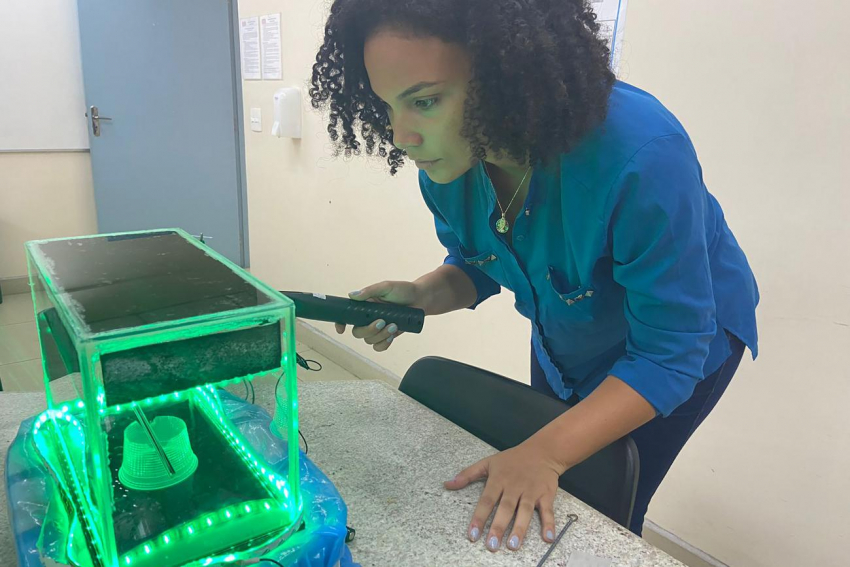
276,385
245,383
279,378
253,396
271,561
303,363
306,447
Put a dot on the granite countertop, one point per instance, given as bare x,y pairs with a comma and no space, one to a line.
388,456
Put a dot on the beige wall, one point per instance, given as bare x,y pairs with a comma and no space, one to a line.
333,225
42,195
759,86
764,93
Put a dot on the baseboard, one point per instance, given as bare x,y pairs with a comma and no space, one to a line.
343,355
11,286
678,548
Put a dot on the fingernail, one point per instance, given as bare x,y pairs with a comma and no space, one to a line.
381,324
514,543
550,535
389,340
493,543
354,292
474,533
392,329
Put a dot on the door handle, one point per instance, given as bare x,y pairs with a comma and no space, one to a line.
202,237
95,120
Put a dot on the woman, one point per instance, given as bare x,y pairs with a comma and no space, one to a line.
581,194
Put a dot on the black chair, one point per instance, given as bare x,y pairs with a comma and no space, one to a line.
504,413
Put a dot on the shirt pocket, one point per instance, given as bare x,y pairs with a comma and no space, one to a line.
487,262
573,303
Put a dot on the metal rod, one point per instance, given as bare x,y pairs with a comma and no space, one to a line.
143,420
572,519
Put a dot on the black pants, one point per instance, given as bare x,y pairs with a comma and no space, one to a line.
660,440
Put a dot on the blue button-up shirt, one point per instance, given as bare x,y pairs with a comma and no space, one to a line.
621,258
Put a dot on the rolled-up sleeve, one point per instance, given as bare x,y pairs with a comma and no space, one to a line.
484,285
657,230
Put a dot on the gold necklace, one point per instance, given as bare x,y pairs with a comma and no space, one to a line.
502,224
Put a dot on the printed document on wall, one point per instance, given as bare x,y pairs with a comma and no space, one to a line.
270,41
249,40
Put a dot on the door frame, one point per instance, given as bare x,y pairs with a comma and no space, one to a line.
239,127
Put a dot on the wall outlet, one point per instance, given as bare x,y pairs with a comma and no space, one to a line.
256,120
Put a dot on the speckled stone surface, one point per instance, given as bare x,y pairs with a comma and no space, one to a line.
14,408
388,456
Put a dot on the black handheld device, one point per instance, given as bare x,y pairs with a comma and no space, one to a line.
320,307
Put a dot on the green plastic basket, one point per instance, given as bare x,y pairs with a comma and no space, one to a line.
142,467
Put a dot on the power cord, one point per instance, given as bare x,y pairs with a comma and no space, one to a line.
305,364
247,383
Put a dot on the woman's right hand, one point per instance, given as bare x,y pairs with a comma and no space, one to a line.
380,334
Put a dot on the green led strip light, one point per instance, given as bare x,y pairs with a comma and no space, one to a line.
232,525
165,399
213,403
185,543
58,457
74,443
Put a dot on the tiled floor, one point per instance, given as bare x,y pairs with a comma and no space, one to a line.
20,362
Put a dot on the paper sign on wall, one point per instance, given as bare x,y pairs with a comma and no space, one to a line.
270,40
249,39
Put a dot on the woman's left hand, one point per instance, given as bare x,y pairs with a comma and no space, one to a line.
519,480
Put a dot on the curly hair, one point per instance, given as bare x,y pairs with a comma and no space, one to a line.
540,75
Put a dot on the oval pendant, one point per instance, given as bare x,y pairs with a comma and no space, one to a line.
502,225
